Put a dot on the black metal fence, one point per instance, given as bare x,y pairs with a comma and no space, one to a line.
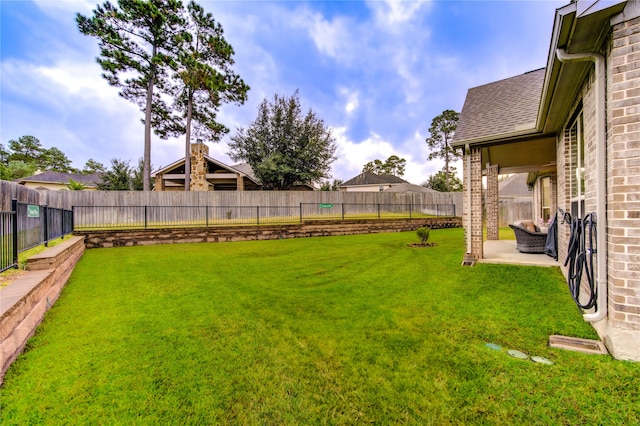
135,217
27,226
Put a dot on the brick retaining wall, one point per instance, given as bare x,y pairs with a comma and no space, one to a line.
24,302
141,237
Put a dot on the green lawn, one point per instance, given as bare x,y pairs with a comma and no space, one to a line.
331,330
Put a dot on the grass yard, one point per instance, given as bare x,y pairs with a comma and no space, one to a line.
332,330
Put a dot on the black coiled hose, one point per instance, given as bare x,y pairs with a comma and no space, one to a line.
580,255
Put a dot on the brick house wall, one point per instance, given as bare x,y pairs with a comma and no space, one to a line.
621,329
623,188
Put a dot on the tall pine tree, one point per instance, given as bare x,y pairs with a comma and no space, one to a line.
138,47
205,79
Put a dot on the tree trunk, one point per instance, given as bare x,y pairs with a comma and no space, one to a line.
146,159
446,165
187,151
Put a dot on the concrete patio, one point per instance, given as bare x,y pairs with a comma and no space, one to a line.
504,251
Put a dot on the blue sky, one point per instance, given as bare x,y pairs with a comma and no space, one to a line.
376,72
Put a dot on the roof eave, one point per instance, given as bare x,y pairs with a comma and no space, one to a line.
578,28
503,137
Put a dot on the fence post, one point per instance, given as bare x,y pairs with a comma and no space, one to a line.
454,210
437,210
300,212
46,226
342,211
145,217
14,231
410,207
257,215
206,216
73,218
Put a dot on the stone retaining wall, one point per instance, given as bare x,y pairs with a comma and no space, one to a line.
24,302
141,237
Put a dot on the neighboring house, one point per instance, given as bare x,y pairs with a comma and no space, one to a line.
209,174
409,187
515,187
58,181
575,127
371,182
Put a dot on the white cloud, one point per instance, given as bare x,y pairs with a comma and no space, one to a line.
339,39
352,99
352,156
393,13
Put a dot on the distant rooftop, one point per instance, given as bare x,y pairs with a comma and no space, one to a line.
63,178
367,178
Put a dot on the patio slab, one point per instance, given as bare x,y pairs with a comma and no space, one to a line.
505,252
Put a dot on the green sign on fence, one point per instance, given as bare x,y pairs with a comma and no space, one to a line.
33,211
326,206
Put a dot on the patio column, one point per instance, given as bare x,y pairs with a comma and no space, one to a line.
492,202
473,193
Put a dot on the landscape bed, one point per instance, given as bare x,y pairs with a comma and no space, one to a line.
353,329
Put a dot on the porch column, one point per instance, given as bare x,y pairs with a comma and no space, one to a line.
240,185
473,212
492,202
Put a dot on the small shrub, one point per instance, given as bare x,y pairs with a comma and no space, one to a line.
423,234
229,213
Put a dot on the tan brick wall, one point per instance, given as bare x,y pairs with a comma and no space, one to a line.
623,184
475,209
491,202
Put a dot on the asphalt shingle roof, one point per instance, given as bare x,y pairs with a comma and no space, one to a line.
408,187
367,178
63,178
514,186
501,107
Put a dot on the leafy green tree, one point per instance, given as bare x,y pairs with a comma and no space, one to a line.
284,146
331,186
118,178
394,165
138,46
205,78
440,181
17,169
92,166
442,129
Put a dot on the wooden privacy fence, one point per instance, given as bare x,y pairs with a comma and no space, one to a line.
134,217
68,199
510,211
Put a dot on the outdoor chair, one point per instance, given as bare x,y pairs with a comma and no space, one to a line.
529,239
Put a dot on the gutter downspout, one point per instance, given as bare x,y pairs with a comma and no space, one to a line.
601,188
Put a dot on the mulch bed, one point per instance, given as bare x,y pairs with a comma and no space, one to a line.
422,245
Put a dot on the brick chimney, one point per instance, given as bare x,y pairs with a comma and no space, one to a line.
199,166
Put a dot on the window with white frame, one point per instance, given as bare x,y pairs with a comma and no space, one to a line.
545,198
576,166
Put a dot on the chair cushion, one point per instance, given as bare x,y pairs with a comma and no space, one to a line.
528,225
